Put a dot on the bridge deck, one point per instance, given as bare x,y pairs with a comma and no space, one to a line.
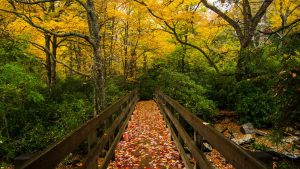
146,142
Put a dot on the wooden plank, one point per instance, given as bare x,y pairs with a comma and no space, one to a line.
51,156
234,154
92,140
198,156
117,139
182,153
199,143
105,138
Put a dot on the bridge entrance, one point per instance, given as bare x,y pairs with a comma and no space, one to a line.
146,141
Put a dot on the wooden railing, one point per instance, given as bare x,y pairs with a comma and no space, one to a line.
103,130
175,114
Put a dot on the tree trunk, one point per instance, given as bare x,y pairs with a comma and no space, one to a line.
183,56
241,70
53,62
133,65
104,53
71,65
111,48
145,64
94,28
48,59
126,51
77,57
6,125
98,76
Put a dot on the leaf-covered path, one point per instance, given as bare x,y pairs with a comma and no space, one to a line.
146,142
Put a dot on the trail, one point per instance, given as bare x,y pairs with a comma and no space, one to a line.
146,142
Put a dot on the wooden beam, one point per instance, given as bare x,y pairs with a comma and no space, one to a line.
54,154
198,156
234,154
182,153
110,152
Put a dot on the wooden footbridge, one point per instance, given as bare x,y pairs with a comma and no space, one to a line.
105,130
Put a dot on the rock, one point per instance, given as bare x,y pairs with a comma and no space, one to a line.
261,133
291,155
245,139
289,129
247,128
207,147
205,123
291,139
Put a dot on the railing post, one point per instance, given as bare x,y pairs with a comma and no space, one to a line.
100,132
179,118
92,140
199,143
108,124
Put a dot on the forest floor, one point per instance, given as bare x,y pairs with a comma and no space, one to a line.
287,150
146,142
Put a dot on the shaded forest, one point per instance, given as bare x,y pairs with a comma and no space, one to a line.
63,61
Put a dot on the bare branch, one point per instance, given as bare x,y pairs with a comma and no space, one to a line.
296,21
56,60
34,2
82,4
173,30
261,12
196,47
233,23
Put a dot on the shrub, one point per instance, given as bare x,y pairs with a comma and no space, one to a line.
147,85
181,88
114,89
222,91
255,102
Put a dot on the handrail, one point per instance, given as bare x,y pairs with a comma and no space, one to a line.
53,155
234,154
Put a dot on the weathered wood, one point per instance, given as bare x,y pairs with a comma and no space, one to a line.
92,140
232,152
199,143
198,140
54,154
198,156
179,144
20,160
105,138
110,152
265,157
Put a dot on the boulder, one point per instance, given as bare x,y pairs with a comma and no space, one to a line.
247,128
261,133
245,139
